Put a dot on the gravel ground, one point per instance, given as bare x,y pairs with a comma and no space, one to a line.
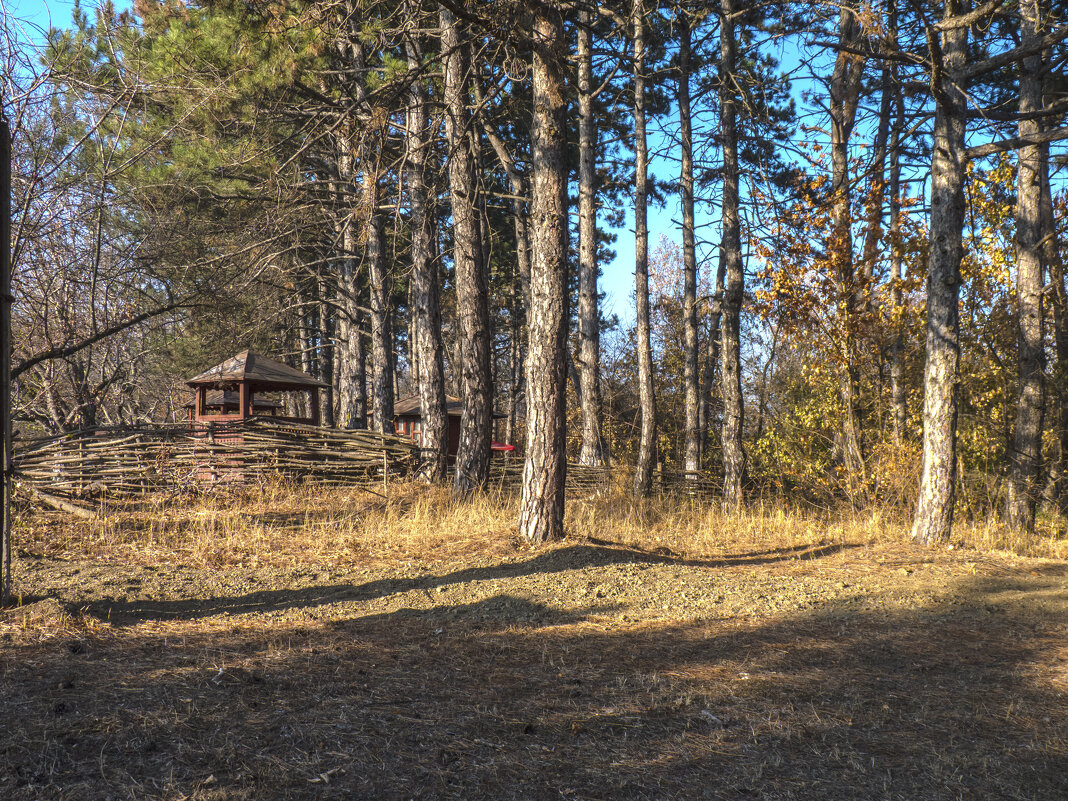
587,670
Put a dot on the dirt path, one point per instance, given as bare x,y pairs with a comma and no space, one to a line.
586,671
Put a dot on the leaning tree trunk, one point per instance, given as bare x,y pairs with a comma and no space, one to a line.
589,322
643,475
731,242
541,512
426,309
933,521
1026,457
472,305
690,377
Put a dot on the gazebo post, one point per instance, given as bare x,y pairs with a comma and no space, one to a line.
242,400
201,407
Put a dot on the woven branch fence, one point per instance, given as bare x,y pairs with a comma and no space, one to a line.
133,461
152,459
507,474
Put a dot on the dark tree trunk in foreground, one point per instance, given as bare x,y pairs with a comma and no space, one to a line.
541,513
589,329
933,520
643,476
472,302
1026,456
731,242
844,96
426,311
692,460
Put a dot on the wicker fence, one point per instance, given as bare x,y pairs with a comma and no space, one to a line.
150,459
133,461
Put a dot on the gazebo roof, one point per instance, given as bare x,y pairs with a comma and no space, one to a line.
252,368
410,407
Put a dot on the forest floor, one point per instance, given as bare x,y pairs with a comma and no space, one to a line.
603,667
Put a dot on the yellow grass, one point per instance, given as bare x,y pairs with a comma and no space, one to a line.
285,524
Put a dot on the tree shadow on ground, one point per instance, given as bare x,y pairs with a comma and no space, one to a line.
510,699
571,557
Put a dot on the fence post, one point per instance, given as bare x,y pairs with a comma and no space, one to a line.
211,452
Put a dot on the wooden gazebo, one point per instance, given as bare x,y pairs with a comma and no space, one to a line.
241,378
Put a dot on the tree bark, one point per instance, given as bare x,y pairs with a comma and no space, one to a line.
643,475
351,360
708,378
379,280
426,308
1026,457
589,321
1059,303
472,457
933,521
541,514
844,97
733,422
381,290
898,390
326,358
692,459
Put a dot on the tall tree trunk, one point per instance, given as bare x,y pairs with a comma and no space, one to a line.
733,422
519,190
1026,457
307,364
326,358
352,383
643,475
379,280
933,521
381,291
589,328
426,309
541,512
844,96
515,361
472,457
1059,301
351,360
708,376
690,377
898,391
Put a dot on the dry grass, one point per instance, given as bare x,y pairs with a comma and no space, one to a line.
285,524
294,644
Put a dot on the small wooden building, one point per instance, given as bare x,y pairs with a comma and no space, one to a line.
225,402
227,392
408,422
